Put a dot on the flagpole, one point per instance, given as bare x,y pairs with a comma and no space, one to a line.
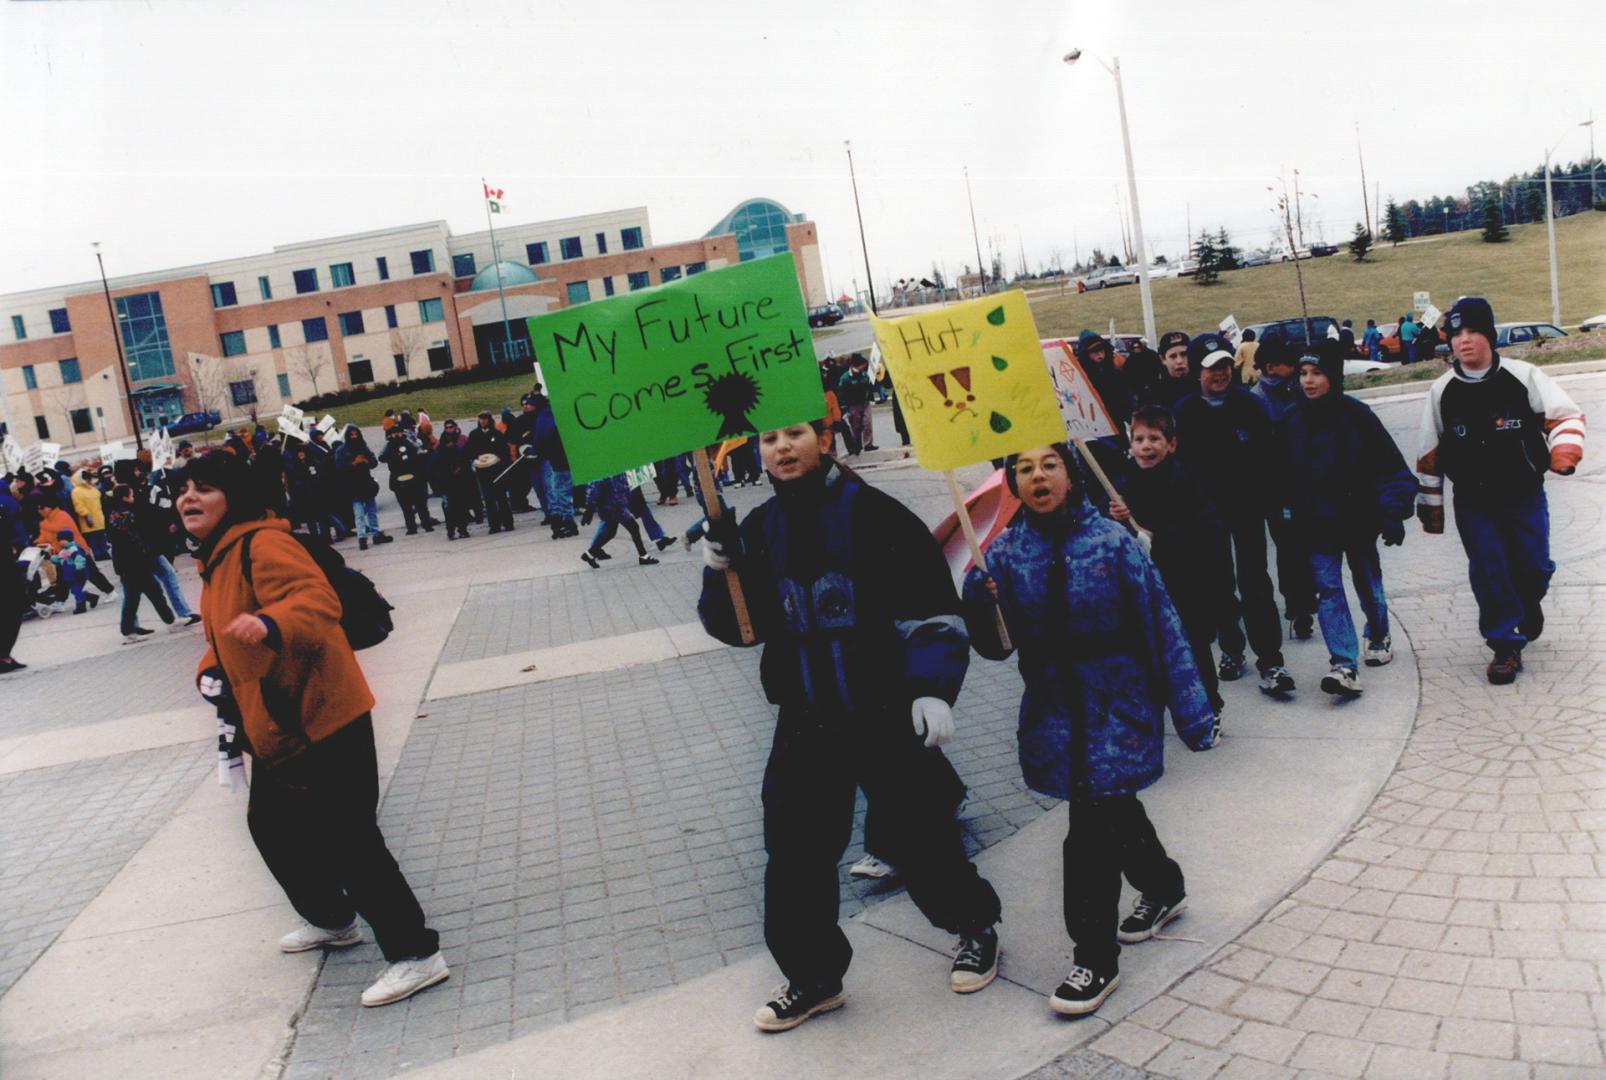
496,260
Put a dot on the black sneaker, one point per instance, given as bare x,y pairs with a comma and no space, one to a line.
1148,915
1083,991
1232,667
601,554
792,1005
665,542
647,560
1276,681
587,557
142,632
193,620
1302,627
975,962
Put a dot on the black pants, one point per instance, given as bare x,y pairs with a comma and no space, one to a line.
1199,640
610,529
815,764
1256,605
13,596
135,585
876,838
313,820
494,496
1294,578
413,496
1109,838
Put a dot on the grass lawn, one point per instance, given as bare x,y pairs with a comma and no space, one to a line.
1515,276
462,403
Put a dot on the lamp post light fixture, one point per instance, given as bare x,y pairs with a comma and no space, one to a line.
869,278
117,339
1114,68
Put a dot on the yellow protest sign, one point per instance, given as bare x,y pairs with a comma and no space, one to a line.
971,380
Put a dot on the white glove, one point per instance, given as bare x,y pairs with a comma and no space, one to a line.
933,719
714,556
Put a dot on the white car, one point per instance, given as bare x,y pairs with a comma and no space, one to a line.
1597,322
1106,276
1366,367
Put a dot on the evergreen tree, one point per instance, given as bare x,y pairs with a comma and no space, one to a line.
1208,257
1494,222
1394,223
1360,243
1226,254
1533,201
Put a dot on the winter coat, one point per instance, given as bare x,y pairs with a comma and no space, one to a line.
451,472
303,683
51,524
355,464
1102,653
482,441
86,503
1276,396
609,498
850,597
1107,380
1190,544
548,443
1343,477
853,388
133,555
1169,392
405,461
1227,446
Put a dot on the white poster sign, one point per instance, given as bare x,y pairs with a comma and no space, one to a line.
1084,414
1431,315
11,453
327,425
1420,301
1229,328
118,451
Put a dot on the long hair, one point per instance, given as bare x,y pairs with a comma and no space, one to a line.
232,475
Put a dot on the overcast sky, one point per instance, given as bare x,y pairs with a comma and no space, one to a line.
181,132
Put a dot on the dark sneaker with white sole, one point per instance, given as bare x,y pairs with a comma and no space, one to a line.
792,1005
1342,682
1083,991
1276,681
1232,667
1148,916
1379,652
975,962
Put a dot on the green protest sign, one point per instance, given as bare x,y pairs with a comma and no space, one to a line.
657,372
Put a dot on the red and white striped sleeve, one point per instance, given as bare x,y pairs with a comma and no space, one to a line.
1429,475
1563,420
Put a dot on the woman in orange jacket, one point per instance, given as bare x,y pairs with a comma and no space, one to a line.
279,666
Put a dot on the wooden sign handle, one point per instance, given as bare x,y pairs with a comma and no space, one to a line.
716,511
962,512
1109,488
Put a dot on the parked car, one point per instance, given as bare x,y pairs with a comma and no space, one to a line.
1317,251
1589,325
1254,258
192,422
1366,367
1294,329
1512,334
824,315
1107,277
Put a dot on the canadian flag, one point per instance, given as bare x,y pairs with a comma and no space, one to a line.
493,198
492,193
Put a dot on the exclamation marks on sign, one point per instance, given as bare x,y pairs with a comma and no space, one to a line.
962,377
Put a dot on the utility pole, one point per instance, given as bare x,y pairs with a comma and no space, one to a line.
117,339
1550,231
1366,211
1590,124
1299,220
496,261
974,235
869,279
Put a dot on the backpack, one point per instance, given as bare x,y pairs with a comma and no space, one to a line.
364,612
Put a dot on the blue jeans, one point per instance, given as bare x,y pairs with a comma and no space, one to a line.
366,516
1508,554
167,577
559,485
1332,606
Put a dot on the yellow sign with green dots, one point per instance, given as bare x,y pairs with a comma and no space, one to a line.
971,381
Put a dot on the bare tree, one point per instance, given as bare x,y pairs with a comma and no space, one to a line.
65,400
211,383
409,344
308,362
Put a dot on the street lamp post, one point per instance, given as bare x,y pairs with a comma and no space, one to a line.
869,278
117,339
974,235
1550,235
1114,68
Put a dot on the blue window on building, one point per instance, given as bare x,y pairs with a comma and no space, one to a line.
384,268
390,316
17,329
264,288
284,386
306,281
244,392
82,422
423,261
536,253
695,268
341,276
430,311
223,294
569,247
58,321
639,280
145,341
315,329
630,238
602,243
70,371
463,265
607,286
669,273
273,337
579,292
30,379
350,323
233,342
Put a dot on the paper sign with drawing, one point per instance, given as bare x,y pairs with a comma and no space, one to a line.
1083,412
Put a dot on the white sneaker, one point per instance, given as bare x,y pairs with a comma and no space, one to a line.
1379,653
308,937
405,978
1342,682
133,639
872,867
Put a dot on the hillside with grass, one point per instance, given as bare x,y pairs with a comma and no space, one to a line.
1515,276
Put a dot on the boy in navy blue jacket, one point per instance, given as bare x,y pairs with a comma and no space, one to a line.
864,653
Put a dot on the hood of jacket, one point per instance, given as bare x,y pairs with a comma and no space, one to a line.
1092,337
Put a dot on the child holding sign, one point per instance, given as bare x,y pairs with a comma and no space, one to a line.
1102,655
851,597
